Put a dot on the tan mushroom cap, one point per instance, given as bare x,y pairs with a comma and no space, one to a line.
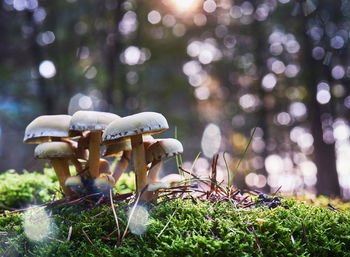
104,182
44,128
164,148
116,148
145,123
90,120
53,150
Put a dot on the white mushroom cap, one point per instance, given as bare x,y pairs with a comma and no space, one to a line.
53,150
44,128
75,184
90,120
164,148
146,123
74,181
166,182
117,147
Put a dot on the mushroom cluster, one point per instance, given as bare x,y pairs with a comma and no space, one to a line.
79,138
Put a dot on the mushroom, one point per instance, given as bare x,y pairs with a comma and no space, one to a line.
166,182
104,167
122,148
104,183
47,128
75,184
58,153
156,152
80,185
133,127
95,122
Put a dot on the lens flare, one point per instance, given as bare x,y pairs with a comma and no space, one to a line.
138,220
36,223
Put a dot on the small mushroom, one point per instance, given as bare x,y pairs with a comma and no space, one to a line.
58,153
162,149
49,128
104,183
95,122
133,127
156,152
104,167
166,182
81,185
75,184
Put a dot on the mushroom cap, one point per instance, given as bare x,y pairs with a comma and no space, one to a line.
54,150
145,123
104,167
173,178
74,181
104,182
163,148
76,184
166,182
117,147
90,120
44,128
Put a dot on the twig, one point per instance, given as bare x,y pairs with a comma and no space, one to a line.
278,189
101,213
334,208
257,240
131,214
304,233
213,173
114,213
55,239
161,232
69,233
86,235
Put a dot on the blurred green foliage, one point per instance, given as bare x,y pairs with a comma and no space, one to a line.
19,190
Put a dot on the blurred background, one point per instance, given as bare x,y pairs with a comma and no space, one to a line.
216,69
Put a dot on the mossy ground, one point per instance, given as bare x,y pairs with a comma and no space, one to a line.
180,228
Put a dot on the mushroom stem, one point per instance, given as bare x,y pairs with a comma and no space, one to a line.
62,172
94,153
152,178
154,171
121,165
139,160
77,164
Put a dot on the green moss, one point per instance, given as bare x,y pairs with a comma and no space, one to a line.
28,188
20,190
183,228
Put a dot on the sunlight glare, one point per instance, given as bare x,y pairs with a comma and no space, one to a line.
184,6
47,69
36,224
138,220
211,140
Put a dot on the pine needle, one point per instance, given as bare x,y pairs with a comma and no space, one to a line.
131,214
166,225
114,213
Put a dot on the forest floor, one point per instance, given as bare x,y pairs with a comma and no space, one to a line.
212,224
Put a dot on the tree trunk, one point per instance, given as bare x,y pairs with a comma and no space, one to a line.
114,66
324,154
